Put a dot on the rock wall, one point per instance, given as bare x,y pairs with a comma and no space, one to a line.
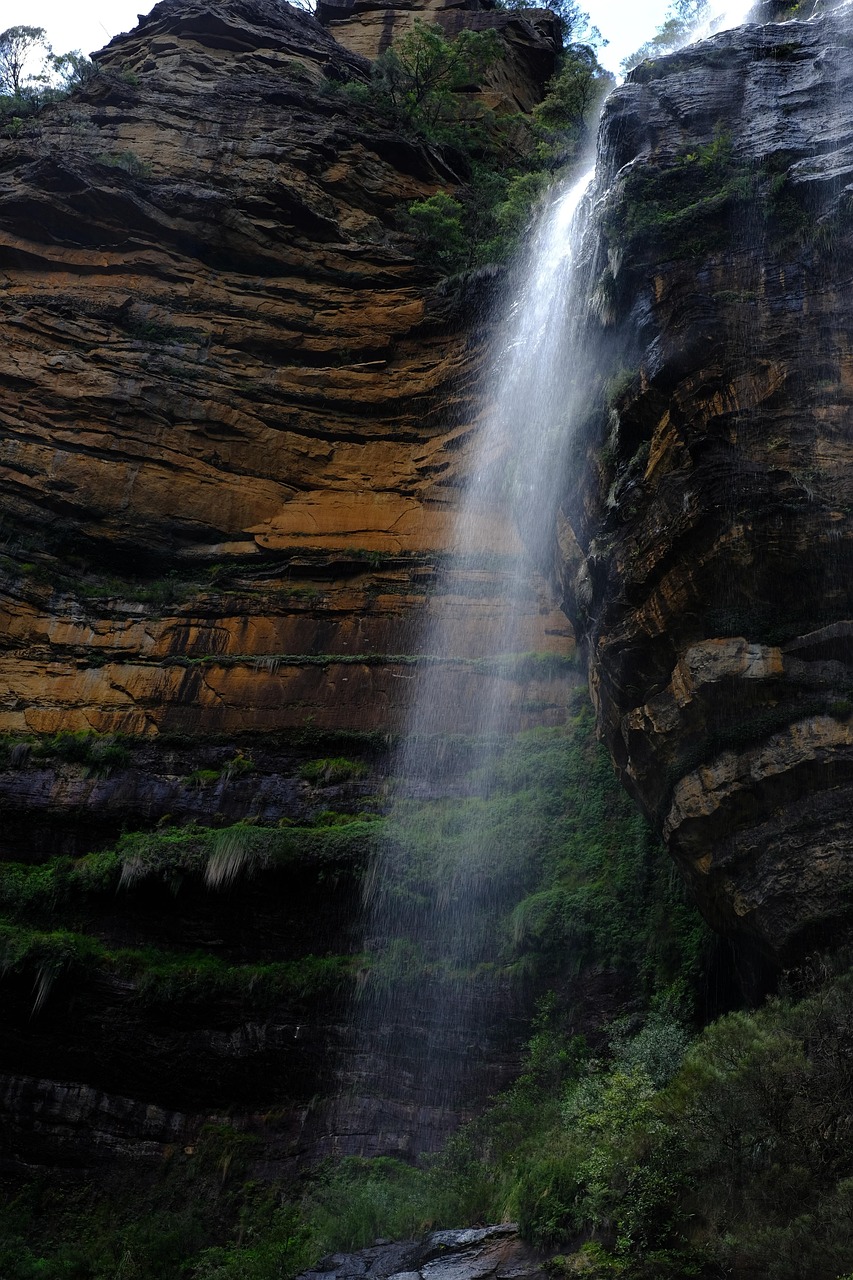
235,418
530,40
707,550
222,363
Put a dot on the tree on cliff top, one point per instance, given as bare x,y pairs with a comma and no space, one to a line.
421,73
682,18
31,74
17,47
575,25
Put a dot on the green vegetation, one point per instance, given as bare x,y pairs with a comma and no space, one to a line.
518,666
418,77
99,753
683,209
332,769
131,163
215,856
545,831
422,85
238,767
722,1154
681,19
692,204
672,1153
171,1225
688,1159
163,977
24,90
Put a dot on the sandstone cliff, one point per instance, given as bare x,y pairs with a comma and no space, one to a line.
221,359
530,39
235,418
707,550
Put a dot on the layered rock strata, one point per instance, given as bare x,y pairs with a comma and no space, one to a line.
236,414
707,554
220,353
530,40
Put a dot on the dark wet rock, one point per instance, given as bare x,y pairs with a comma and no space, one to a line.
476,1253
708,553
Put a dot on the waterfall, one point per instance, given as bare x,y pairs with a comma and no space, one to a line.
436,897
435,991
722,15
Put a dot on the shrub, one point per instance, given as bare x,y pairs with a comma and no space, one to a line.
419,75
436,225
332,769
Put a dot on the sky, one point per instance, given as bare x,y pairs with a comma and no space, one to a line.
89,24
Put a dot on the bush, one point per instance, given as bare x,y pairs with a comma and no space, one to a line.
436,224
420,75
332,769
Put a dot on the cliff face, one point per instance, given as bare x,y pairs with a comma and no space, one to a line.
707,552
530,40
235,415
220,353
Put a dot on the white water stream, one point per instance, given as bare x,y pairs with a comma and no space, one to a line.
419,1010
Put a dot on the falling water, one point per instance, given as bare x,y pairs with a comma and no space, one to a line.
427,1010
430,932
721,15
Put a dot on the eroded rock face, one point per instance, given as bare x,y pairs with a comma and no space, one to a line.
708,561
235,419
220,351
530,40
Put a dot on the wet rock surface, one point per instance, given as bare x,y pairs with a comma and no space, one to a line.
235,418
473,1254
707,553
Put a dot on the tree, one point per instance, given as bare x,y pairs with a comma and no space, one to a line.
69,70
575,25
683,17
422,72
17,45
562,119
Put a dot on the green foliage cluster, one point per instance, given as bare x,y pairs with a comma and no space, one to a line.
682,18
419,76
99,753
331,769
722,1154
422,85
683,209
164,977
671,1155
130,162
237,767
547,832
23,91
521,665
76,578
727,1153
170,854
688,205
176,1224
606,893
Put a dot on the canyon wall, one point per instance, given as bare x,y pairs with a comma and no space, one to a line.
237,414
706,550
235,418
